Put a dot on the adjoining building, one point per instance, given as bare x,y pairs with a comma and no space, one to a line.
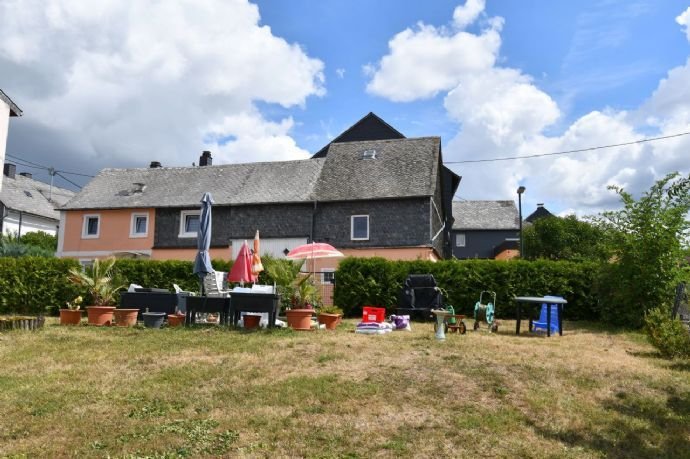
7,109
485,229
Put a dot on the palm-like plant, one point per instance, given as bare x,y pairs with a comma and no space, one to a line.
98,281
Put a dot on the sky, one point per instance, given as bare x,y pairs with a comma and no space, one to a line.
121,83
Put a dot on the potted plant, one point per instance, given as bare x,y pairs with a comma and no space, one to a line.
175,320
98,282
305,296
330,316
71,315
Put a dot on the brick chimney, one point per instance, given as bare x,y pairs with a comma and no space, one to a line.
10,170
26,174
205,159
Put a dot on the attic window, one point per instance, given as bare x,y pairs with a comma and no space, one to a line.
28,194
368,154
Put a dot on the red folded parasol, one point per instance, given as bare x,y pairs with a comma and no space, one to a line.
242,268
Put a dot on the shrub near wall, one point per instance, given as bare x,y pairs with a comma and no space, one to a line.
376,281
29,285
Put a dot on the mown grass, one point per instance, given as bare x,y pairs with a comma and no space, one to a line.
110,392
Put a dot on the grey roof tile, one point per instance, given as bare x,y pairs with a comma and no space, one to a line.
251,183
485,215
31,196
402,168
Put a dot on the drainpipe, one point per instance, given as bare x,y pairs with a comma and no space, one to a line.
313,222
20,223
2,216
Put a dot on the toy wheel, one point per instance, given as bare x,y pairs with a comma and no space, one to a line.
462,328
476,325
494,328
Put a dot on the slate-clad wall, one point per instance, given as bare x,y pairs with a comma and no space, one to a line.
481,243
237,222
392,223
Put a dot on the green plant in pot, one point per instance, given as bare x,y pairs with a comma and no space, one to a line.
330,316
72,314
97,280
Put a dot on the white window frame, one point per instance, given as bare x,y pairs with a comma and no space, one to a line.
133,225
85,226
352,228
457,240
323,278
183,218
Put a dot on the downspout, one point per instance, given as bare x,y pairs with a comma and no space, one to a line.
313,222
20,224
2,216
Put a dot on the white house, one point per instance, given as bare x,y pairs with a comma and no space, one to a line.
29,205
7,109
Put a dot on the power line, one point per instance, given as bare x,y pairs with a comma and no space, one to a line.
65,178
567,152
40,166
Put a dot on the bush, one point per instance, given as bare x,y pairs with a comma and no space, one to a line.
669,336
376,281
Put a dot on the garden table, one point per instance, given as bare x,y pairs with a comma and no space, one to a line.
549,300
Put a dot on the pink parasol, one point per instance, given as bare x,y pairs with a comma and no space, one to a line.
314,250
242,268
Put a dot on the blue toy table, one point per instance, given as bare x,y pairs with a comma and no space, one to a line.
540,300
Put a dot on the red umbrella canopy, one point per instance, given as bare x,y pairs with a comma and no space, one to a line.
242,268
314,250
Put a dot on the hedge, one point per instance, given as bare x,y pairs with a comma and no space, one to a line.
377,281
36,285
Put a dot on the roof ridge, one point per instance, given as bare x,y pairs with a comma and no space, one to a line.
215,166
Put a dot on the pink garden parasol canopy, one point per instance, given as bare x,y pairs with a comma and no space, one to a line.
314,250
241,270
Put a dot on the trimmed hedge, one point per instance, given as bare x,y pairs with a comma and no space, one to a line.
377,281
34,285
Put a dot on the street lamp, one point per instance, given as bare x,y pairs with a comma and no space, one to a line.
520,190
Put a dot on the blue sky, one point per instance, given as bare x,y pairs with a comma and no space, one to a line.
126,82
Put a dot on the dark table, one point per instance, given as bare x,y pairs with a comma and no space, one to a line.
254,302
155,301
540,300
214,304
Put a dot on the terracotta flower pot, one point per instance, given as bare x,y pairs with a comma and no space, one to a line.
251,321
330,320
100,315
126,317
299,319
175,320
70,316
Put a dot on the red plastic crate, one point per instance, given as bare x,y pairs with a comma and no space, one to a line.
373,314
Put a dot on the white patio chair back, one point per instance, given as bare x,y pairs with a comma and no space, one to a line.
213,284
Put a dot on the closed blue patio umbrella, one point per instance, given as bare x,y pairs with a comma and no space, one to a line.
202,262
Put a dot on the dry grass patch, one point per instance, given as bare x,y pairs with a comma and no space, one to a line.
102,392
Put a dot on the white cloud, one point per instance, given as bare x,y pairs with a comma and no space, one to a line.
136,81
466,14
684,20
501,112
340,73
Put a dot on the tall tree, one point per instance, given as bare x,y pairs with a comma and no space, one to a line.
565,238
648,238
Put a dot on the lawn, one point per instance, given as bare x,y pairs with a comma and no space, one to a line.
99,392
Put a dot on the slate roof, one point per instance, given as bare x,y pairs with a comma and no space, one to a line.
251,183
14,110
31,196
370,127
485,215
402,168
541,212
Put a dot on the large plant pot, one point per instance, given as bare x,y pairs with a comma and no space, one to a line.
70,316
154,319
330,320
299,319
251,321
100,315
175,320
126,317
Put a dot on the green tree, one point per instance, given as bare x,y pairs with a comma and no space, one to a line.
648,237
40,239
564,239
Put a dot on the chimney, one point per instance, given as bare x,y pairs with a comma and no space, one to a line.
205,159
10,170
26,174
155,164
540,204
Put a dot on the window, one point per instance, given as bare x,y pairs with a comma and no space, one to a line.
368,154
91,227
139,226
189,223
328,276
359,227
460,240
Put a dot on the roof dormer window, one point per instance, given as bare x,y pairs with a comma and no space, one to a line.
368,154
